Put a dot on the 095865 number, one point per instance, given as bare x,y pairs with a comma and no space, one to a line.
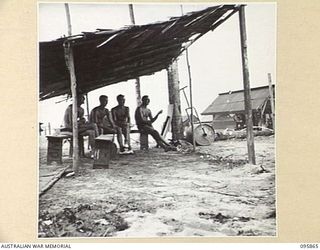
309,246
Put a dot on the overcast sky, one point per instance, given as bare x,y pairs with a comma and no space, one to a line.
215,58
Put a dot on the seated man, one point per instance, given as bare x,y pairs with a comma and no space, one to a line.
239,119
144,120
101,116
121,118
84,128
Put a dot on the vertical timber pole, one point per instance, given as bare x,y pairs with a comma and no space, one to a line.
191,103
88,112
174,98
271,100
49,128
246,85
70,63
138,90
190,89
68,19
87,104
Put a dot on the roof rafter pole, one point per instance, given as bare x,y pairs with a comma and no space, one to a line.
138,89
246,85
70,64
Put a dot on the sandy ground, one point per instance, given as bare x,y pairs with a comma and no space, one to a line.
212,192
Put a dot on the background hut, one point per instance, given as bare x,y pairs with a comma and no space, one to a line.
228,111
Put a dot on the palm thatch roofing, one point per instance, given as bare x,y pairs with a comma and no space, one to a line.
233,102
106,57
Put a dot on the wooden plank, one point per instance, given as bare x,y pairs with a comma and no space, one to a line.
53,181
167,122
105,137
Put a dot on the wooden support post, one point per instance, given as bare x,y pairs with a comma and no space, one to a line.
246,85
87,104
131,14
190,89
213,116
49,128
191,102
68,19
174,98
138,90
74,111
271,101
70,64
88,119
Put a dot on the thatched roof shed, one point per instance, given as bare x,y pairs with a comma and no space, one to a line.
106,57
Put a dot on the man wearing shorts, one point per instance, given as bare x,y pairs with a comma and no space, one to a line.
84,127
121,118
101,116
144,120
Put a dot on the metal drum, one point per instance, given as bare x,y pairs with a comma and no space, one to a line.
203,134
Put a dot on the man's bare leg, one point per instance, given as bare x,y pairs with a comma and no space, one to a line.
120,139
127,136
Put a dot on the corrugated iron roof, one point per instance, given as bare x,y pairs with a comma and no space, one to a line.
231,102
106,56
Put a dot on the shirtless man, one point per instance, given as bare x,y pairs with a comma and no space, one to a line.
84,127
101,116
121,118
144,120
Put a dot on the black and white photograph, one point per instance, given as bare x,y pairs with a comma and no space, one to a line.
156,120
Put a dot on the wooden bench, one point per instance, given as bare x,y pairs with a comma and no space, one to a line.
55,142
106,149
144,139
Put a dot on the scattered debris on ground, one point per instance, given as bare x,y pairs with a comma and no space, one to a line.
82,221
210,192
